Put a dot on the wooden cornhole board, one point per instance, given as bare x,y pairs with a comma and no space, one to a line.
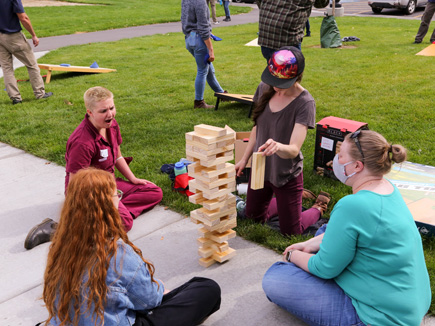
416,183
429,51
51,68
245,99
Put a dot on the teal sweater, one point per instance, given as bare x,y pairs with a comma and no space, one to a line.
373,251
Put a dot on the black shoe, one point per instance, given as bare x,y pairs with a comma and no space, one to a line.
40,233
47,95
308,35
416,42
16,102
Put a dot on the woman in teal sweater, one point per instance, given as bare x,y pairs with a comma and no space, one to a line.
368,268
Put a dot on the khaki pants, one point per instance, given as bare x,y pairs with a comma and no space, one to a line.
425,21
213,9
16,44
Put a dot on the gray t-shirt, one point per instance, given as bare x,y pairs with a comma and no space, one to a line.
279,126
195,17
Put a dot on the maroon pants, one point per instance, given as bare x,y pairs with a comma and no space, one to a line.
136,200
261,206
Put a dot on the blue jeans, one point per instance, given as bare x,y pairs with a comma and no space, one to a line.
205,71
227,8
316,301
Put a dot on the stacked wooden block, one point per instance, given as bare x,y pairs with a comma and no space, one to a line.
210,148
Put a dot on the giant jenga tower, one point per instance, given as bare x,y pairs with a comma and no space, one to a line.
210,148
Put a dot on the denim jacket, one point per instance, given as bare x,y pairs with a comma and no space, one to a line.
129,288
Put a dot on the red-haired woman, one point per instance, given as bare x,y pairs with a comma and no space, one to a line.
96,276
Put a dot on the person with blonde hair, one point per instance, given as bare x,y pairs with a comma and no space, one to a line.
97,142
95,275
368,268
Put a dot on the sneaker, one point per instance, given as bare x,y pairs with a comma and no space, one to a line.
416,42
216,23
322,202
16,102
47,95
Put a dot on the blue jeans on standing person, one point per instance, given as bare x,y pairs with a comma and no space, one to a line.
205,71
227,9
314,300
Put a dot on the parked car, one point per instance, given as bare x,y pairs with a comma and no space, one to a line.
406,5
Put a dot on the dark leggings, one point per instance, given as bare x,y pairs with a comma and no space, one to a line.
188,305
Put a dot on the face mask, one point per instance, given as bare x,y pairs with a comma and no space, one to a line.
340,171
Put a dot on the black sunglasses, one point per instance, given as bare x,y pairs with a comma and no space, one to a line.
354,136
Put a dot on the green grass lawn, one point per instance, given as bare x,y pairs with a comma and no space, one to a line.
378,80
108,14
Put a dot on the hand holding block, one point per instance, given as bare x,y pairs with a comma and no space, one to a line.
257,170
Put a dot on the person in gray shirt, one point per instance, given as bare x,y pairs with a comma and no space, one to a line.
195,22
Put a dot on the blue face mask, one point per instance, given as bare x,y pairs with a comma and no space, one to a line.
340,171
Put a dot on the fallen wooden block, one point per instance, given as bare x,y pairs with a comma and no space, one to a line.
257,170
51,68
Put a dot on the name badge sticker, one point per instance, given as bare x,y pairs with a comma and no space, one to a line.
104,153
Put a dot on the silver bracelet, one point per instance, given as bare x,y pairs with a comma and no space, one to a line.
119,158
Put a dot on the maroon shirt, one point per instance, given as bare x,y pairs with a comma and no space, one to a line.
86,147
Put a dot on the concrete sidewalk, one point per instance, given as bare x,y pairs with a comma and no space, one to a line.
32,189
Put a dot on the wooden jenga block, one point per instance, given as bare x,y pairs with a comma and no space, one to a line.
222,236
206,262
223,256
207,140
195,186
212,216
197,198
222,180
204,129
229,201
192,147
217,236
225,224
209,174
210,161
205,252
194,220
208,243
211,146
257,170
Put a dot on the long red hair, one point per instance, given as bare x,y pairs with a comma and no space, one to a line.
82,247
